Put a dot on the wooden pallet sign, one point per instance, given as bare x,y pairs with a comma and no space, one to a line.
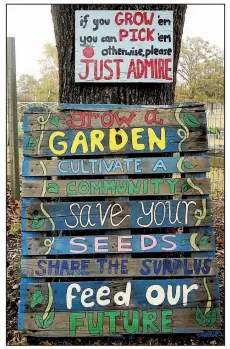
117,222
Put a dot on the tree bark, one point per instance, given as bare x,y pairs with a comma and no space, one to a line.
117,93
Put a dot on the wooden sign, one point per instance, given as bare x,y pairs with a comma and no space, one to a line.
118,194
118,267
115,214
117,323
133,294
124,46
112,141
75,245
84,116
81,308
115,187
114,166
129,130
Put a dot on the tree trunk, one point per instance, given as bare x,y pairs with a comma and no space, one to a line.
117,93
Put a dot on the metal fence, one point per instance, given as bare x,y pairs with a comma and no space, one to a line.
215,120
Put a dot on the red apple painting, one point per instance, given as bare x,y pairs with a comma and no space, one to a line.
88,51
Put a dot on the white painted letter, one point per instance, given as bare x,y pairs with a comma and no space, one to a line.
164,238
154,242
186,291
125,296
72,226
175,300
84,246
102,292
69,295
88,216
146,214
88,292
155,214
116,214
121,244
159,299
97,244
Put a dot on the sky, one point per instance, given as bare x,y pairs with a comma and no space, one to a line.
32,27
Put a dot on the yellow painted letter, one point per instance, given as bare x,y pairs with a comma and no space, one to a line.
117,139
135,137
60,143
80,139
96,137
160,142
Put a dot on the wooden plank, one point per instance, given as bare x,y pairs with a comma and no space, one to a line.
116,323
12,121
71,106
115,166
118,267
136,294
75,245
114,141
114,214
118,116
114,187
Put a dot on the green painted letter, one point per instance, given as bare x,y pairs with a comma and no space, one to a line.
73,322
112,320
98,329
69,190
172,183
133,327
149,317
166,323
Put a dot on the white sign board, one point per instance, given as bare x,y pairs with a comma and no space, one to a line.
124,46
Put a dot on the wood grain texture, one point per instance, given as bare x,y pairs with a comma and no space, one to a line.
137,291
47,216
74,245
114,187
80,324
115,166
193,106
114,141
92,116
119,267
51,317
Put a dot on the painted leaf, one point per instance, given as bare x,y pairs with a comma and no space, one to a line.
37,298
53,188
32,142
200,317
38,320
204,240
38,222
49,320
55,121
184,187
211,317
191,120
188,165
